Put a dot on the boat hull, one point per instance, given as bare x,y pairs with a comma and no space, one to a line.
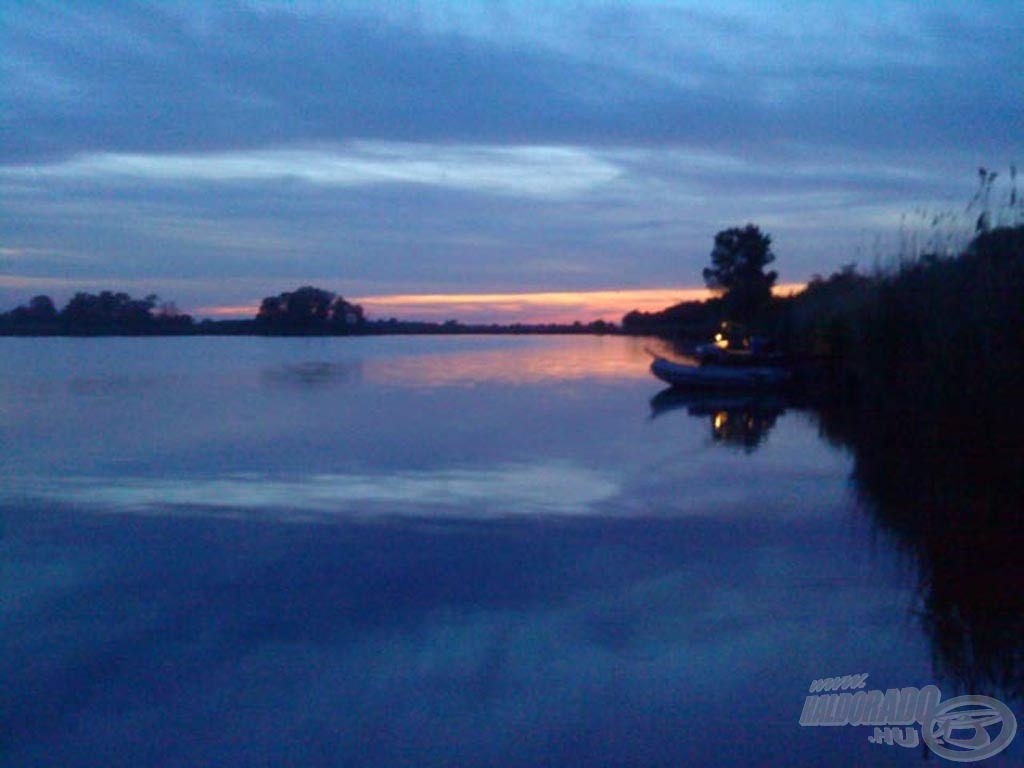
719,377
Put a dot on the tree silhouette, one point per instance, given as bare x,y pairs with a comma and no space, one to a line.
737,271
89,314
41,308
308,309
90,311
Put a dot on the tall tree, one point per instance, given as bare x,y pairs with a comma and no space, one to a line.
42,308
309,310
737,270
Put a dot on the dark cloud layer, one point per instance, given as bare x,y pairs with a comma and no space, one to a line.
146,77
135,78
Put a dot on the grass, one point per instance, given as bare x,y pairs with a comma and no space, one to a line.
924,373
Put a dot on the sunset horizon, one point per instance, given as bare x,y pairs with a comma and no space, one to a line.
526,307
497,307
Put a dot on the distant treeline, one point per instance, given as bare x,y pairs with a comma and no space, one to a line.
689,319
692,322
88,314
306,311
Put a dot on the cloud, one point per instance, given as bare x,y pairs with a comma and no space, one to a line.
139,78
534,171
133,77
378,218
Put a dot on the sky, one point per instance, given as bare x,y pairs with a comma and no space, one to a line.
486,160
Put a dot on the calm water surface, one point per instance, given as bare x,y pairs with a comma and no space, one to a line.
424,552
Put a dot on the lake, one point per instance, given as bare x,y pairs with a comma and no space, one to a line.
435,551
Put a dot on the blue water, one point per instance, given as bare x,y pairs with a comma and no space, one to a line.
427,551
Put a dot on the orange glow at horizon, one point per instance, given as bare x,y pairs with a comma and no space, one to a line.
538,307
503,308
228,312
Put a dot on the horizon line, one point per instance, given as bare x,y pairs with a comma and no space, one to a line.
475,308
538,307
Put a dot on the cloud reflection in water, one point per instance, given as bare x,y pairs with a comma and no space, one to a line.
538,489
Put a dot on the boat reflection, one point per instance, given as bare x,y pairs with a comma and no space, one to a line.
737,419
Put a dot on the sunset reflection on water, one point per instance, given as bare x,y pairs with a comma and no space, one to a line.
554,359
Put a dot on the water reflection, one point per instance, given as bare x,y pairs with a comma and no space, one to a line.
542,489
525,574
525,361
737,420
313,373
114,386
953,502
